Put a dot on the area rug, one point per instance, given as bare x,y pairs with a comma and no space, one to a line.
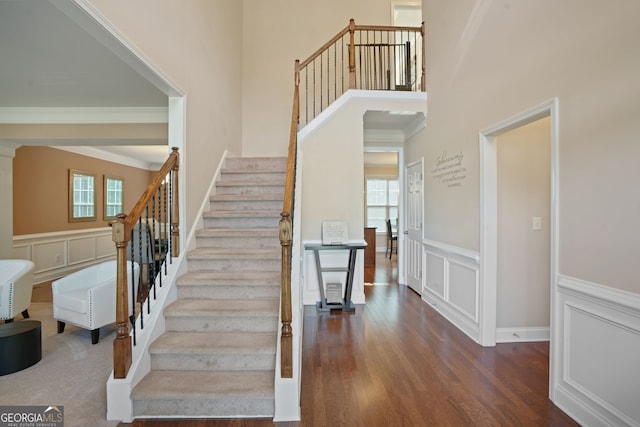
72,373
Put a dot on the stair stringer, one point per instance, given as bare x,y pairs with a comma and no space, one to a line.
119,402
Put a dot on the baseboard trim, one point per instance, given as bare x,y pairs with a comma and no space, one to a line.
527,334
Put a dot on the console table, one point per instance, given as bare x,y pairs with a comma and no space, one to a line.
346,304
20,345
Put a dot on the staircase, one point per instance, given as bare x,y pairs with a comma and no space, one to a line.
217,357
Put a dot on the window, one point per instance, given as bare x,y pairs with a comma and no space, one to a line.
82,201
112,196
382,202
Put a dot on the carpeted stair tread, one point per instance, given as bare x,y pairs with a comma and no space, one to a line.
204,384
275,181
215,343
229,285
231,277
264,307
241,213
234,253
239,232
244,198
258,162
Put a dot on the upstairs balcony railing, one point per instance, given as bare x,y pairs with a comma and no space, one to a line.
358,57
367,57
148,236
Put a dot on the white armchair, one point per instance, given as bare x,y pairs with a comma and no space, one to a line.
87,298
16,285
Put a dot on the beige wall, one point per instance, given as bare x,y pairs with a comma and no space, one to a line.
276,33
524,183
41,188
332,184
198,45
487,63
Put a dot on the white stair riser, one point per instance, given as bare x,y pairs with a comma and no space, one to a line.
221,324
213,362
232,292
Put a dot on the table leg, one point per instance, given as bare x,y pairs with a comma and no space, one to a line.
347,305
322,304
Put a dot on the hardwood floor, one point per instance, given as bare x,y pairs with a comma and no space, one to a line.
396,362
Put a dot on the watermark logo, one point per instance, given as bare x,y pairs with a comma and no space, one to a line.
32,416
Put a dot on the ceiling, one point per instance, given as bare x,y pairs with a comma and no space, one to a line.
49,60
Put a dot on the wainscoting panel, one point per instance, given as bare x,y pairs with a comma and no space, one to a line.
58,254
463,288
599,349
48,255
451,284
434,273
81,249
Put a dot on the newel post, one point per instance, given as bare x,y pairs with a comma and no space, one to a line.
352,54
286,340
175,206
122,342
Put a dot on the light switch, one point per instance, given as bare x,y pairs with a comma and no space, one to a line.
536,223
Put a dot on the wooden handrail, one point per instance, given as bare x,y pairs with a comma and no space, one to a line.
121,235
324,47
385,28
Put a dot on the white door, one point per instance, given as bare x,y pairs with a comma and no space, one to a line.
413,233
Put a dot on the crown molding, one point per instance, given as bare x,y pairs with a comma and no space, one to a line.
74,115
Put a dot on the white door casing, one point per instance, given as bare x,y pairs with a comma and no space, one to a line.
413,233
487,303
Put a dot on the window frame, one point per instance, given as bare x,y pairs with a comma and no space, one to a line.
387,206
105,193
73,173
